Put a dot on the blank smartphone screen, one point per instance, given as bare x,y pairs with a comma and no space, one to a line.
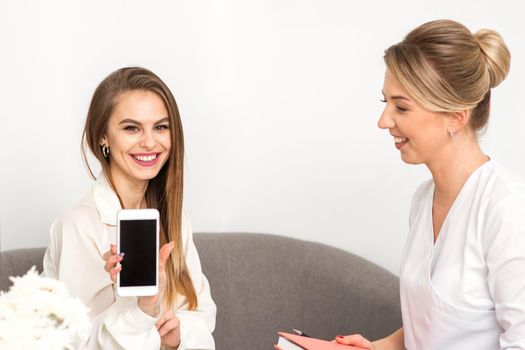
138,241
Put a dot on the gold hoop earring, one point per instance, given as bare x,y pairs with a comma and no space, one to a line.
105,151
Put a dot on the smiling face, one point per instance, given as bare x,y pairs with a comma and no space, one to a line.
138,137
420,135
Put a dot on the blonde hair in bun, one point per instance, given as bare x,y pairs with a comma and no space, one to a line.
446,68
496,53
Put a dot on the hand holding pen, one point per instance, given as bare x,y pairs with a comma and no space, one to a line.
301,333
296,331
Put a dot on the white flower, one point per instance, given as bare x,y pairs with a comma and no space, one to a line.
39,313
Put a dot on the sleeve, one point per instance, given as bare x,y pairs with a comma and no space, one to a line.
123,326
196,327
73,258
505,258
52,254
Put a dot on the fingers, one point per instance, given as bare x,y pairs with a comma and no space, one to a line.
165,316
354,339
164,254
112,251
167,323
112,261
113,273
277,347
169,326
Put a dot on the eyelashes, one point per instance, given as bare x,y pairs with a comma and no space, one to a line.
133,128
162,127
399,108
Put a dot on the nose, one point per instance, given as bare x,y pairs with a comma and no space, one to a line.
147,140
385,120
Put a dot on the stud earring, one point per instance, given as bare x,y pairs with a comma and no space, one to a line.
451,133
105,151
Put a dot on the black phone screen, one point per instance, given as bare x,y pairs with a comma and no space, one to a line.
138,241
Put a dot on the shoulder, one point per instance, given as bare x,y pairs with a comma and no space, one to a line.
77,216
501,188
509,181
502,205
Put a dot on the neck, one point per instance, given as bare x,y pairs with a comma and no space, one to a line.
452,169
130,191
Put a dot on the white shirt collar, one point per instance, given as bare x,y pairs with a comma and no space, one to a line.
106,200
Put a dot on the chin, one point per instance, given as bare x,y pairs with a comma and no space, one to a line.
146,174
411,161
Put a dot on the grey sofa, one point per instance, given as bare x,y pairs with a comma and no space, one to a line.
265,283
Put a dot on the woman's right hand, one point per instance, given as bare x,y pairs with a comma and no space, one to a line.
112,260
355,340
150,304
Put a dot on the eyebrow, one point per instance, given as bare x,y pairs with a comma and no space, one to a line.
397,97
131,121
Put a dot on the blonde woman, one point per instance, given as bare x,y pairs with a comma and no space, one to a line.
463,267
134,130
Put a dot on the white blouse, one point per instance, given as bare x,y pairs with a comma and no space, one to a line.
467,290
79,238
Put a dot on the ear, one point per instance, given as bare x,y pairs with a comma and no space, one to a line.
104,141
457,121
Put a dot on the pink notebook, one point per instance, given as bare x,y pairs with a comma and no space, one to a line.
289,341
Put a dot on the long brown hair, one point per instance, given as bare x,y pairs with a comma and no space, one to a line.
164,192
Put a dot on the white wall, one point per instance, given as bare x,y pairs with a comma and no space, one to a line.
279,100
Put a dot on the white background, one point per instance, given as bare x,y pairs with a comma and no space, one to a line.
279,101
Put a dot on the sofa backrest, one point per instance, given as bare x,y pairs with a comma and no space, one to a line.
264,283
16,263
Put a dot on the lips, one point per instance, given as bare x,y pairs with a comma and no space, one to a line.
146,159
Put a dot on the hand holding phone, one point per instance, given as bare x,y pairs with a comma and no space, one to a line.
112,259
148,304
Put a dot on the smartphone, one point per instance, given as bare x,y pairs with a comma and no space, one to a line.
138,239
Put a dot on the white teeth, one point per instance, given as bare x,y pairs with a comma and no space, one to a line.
400,139
146,158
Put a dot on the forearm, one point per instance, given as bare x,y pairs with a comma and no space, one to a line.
395,341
